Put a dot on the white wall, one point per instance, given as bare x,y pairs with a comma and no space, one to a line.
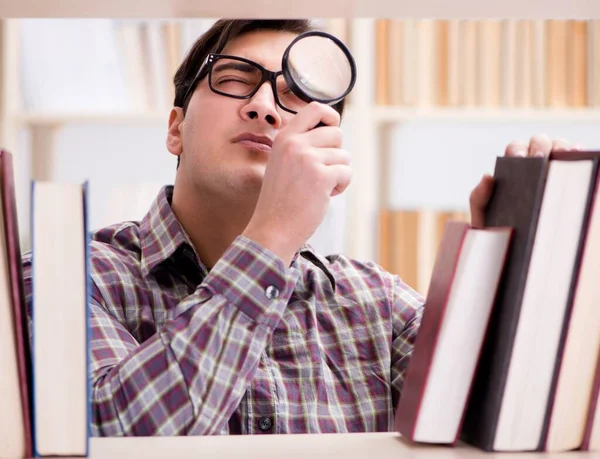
107,156
435,165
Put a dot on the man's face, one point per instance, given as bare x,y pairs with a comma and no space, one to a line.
214,160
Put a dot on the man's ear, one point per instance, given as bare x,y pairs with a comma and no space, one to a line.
174,140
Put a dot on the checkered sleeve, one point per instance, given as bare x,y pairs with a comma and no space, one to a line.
190,376
407,310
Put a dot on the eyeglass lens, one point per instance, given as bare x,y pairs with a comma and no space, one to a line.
239,79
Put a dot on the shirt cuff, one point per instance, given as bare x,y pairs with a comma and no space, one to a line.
253,279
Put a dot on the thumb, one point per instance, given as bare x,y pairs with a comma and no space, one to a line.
479,199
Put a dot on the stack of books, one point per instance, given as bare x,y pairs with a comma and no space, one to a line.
44,386
508,354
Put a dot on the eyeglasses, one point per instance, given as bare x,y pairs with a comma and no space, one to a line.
241,78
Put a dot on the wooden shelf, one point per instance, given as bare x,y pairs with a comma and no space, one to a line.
299,446
54,119
316,8
391,114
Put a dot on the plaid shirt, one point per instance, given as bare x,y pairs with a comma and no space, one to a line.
250,347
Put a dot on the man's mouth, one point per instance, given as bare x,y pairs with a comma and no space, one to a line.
253,141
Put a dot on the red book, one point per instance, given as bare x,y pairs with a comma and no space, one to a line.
15,359
456,316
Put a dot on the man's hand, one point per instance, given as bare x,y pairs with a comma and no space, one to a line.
306,167
539,145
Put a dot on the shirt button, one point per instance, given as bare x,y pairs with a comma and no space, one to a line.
265,423
272,292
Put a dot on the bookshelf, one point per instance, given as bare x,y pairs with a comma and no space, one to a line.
371,111
390,115
330,446
57,119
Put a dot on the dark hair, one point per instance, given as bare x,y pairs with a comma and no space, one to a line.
217,37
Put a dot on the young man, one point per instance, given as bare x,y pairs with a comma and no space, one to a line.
212,315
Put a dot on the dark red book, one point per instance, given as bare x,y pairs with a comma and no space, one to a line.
459,302
20,327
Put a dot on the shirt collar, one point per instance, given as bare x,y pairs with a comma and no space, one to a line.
161,235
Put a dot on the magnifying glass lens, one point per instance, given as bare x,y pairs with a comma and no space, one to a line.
320,68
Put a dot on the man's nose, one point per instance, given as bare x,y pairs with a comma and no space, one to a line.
262,106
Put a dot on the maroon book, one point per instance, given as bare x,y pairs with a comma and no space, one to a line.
456,316
20,315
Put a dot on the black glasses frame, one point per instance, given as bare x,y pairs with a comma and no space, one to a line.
206,68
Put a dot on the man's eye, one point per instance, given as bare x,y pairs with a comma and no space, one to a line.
232,80
284,90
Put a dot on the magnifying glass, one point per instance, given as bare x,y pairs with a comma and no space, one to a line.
318,67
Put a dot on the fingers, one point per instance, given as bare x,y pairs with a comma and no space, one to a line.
332,156
311,115
540,145
516,148
560,145
326,137
479,199
341,176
